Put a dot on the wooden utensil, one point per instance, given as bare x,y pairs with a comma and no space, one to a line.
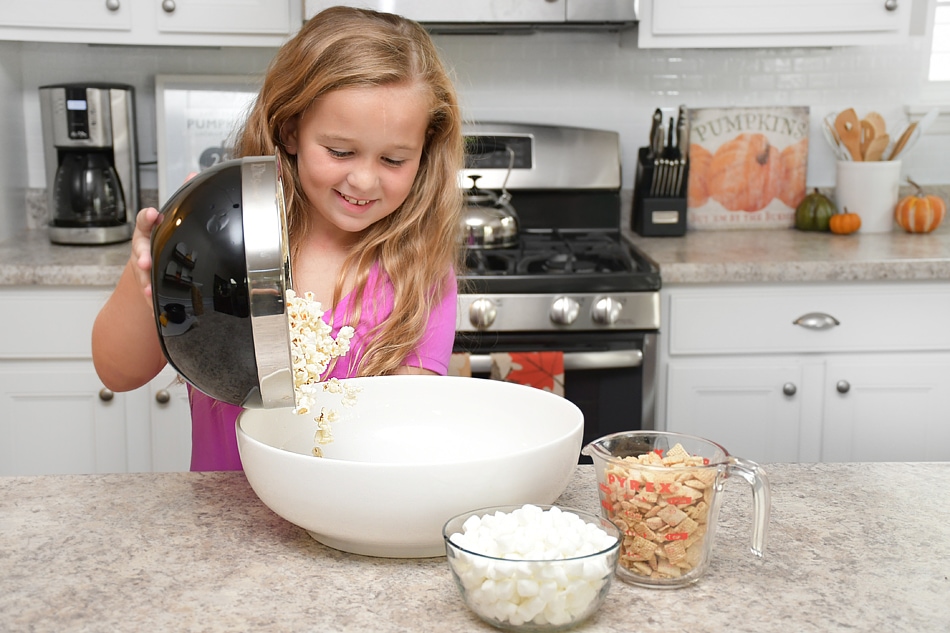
867,135
848,127
876,121
902,141
876,148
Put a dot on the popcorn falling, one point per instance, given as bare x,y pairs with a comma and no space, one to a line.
312,349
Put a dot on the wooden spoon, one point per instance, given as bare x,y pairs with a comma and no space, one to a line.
877,121
867,135
876,147
902,141
849,131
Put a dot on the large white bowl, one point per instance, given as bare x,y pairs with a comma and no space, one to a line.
413,452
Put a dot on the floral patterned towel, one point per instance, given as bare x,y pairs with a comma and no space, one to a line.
543,370
460,364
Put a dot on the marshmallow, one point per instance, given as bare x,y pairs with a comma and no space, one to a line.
536,572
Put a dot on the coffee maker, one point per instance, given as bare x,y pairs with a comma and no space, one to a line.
91,172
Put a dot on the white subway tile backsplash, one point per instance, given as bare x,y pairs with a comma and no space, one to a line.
585,79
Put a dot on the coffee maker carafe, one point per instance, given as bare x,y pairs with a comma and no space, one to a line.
90,151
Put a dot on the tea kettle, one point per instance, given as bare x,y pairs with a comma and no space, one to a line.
489,220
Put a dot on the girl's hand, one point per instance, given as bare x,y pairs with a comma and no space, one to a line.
141,258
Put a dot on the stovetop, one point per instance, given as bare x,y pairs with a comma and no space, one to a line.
564,184
555,260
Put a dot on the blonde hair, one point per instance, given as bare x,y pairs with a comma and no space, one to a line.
417,245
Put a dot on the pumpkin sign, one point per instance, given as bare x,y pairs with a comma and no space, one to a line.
747,167
697,189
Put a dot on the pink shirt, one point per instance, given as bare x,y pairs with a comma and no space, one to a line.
213,438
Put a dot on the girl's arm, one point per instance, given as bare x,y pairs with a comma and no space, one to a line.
125,347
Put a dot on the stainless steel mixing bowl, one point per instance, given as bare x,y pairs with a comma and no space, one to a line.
220,271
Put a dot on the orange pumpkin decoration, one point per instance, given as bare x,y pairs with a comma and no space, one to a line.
919,212
745,173
697,188
791,189
844,223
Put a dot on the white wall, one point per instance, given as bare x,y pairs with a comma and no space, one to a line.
587,79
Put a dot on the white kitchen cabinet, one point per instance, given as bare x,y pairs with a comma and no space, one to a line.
737,369
170,417
54,421
56,415
892,408
70,15
739,405
771,23
152,22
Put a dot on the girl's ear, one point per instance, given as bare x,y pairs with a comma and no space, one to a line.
288,136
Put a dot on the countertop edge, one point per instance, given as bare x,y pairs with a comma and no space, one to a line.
699,257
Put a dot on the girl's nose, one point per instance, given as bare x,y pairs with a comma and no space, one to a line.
362,176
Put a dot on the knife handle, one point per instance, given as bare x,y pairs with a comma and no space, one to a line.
682,132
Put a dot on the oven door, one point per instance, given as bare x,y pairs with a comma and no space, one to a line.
608,375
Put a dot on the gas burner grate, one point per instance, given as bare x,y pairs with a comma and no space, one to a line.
562,253
490,262
557,260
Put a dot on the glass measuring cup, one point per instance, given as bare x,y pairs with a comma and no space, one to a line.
663,491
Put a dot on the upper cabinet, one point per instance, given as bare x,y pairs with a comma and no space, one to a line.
771,23
490,16
152,22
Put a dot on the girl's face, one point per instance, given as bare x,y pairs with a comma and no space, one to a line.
358,151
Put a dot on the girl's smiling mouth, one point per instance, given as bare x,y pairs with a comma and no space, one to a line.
351,200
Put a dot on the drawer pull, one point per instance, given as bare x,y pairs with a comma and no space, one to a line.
816,321
106,394
789,389
843,386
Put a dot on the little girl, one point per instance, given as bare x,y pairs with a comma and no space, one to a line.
367,126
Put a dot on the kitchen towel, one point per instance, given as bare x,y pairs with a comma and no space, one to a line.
542,370
460,364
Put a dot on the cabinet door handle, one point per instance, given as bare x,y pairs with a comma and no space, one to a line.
168,6
816,321
843,386
164,396
890,5
789,389
112,5
106,394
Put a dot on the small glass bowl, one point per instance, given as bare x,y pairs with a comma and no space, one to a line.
532,595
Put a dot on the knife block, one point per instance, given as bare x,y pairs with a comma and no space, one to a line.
657,216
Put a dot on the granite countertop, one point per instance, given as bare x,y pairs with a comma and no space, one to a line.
31,259
698,257
790,255
851,547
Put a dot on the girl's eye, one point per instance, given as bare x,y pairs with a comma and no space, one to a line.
394,162
335,153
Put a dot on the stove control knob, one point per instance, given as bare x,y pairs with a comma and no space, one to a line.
564,311
606,311
482,313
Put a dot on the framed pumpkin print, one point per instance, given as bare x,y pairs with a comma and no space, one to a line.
198,117
747,167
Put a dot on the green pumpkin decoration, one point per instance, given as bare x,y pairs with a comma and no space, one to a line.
814,212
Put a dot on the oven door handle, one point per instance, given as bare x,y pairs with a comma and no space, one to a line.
577,361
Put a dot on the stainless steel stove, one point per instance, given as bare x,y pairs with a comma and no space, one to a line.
573,282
